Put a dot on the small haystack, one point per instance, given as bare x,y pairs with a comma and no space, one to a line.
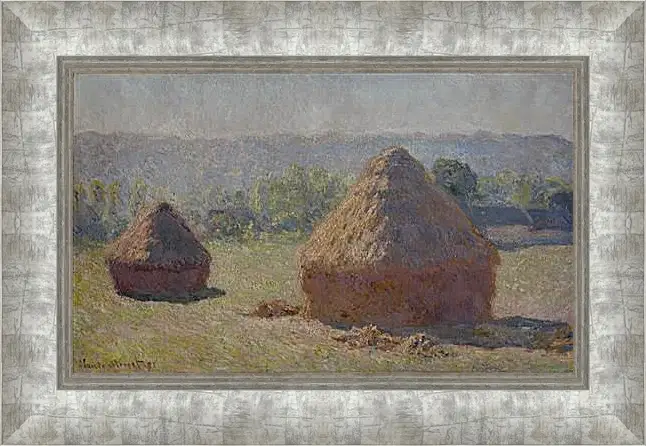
398,251
158,254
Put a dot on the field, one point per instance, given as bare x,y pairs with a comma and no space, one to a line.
112,333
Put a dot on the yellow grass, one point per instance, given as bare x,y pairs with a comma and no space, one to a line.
113,333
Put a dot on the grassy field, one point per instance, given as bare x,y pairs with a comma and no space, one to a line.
114,333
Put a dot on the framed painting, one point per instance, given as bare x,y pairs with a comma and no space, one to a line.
352,202
339,222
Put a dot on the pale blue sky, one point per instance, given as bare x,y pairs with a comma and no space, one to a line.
221,105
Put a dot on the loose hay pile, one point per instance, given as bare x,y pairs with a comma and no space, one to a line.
422,345
368,336
275,308
398,251
372,336
158,254
419,343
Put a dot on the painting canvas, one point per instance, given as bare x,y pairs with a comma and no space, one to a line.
323,222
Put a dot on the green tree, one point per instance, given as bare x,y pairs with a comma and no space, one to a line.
82,217
259,200
240,200
287,201
97,192
558,184
139,197
300,197
510,188
524,190
112,218
79,197
226,226
522,196
507,180
96,210
325,190
456,177
489,192
551,187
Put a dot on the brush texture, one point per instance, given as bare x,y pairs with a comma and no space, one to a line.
397,251
158,253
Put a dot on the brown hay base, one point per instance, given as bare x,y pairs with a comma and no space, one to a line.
460,291
132,280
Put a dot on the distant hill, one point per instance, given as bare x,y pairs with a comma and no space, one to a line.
183,165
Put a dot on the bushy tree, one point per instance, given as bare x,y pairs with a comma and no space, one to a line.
559,189
300,197
325,191
288,199
97,210
259,201
524,191
225,225
138,197
520,190
293,201
489,192
85,219
79,197
114,217
456,177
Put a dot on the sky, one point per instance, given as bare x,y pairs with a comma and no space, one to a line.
227,105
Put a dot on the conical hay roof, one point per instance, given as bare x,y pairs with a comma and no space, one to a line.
158,236
394,216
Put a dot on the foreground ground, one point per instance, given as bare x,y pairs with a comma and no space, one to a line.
114,333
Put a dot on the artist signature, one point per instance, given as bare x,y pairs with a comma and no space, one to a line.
135,365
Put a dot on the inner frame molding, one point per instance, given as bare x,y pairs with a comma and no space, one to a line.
71,66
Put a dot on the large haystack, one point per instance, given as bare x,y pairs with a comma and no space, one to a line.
398,251
158,254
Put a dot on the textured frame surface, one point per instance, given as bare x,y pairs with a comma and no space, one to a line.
611,34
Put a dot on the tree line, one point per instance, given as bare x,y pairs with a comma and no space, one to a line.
291,202
506,188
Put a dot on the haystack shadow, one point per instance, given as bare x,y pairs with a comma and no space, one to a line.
524,244
514,331
181,298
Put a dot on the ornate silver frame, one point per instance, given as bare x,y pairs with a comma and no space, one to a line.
610,34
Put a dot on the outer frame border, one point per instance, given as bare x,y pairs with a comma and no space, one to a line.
70,67
35,412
